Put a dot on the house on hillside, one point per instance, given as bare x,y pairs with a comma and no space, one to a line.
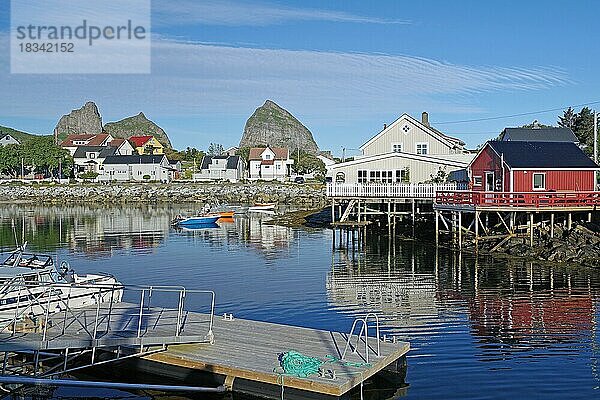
229,168
407,151
91,158
518,166
231,151
73,141
7,138
137,168
269,163
148,145
550,134
122,147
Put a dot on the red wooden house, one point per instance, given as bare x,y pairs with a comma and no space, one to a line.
514,166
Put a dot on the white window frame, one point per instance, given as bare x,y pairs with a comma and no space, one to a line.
533,174
398,145
426,144
476,178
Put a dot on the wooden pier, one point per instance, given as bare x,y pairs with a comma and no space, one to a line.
467,216
246,353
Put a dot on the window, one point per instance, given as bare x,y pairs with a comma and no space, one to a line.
406,128
340,177
402,175
539,181
422,148
397,147
386,176
267,156
477,180
92,155
362,176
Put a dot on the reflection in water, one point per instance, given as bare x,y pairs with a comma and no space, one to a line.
515,309
479,328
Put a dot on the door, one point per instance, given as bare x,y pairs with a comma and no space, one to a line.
489,186
489,182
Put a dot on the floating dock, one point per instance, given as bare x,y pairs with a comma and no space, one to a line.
239,355
246,353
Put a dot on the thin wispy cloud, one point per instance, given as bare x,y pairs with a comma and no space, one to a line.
200,79
232,13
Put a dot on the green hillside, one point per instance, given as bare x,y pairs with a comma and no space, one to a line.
19,135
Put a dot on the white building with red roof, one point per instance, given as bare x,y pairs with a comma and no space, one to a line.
269,163
72,142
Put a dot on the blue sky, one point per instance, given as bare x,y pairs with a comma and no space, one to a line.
344,68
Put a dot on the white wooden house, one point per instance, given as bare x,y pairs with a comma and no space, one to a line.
137,168
7,138
407,151
269,163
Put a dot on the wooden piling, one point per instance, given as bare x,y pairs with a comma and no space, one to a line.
531,229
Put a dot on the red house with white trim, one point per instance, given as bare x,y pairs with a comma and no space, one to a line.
518,166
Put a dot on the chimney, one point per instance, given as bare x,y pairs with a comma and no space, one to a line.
425,118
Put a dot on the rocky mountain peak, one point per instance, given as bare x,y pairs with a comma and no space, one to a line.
273,125
84,120
135,126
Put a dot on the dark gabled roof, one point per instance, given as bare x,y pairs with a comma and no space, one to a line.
538,135
232,161
103,151
135,159
542,154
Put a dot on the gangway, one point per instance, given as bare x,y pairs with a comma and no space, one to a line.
47,336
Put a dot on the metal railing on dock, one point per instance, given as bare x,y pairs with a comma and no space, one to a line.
390,190
70,320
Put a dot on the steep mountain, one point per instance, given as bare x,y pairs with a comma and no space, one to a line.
136,126
19,135
86,119
272,125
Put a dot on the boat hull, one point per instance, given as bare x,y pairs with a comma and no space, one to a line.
196,221
32,300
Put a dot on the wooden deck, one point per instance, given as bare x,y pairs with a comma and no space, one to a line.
250,350
471,201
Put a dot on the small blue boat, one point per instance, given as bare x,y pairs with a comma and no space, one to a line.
197,221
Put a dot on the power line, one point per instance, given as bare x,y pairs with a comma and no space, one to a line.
464,121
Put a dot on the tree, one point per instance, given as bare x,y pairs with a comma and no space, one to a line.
536,125
215,149
440,177
10,160
43,156
567,120
307,163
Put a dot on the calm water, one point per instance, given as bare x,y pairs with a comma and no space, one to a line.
479,329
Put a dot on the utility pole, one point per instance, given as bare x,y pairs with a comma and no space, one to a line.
595,136
22,168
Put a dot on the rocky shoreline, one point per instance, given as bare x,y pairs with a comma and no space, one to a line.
306,195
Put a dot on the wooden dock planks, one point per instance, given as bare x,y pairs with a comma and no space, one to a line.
250,350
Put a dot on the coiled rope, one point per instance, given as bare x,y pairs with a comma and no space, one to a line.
297,364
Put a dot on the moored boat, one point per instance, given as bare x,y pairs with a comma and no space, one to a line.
262,207
198,220
226,214
31,285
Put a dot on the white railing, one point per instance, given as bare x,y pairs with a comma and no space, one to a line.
400,190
